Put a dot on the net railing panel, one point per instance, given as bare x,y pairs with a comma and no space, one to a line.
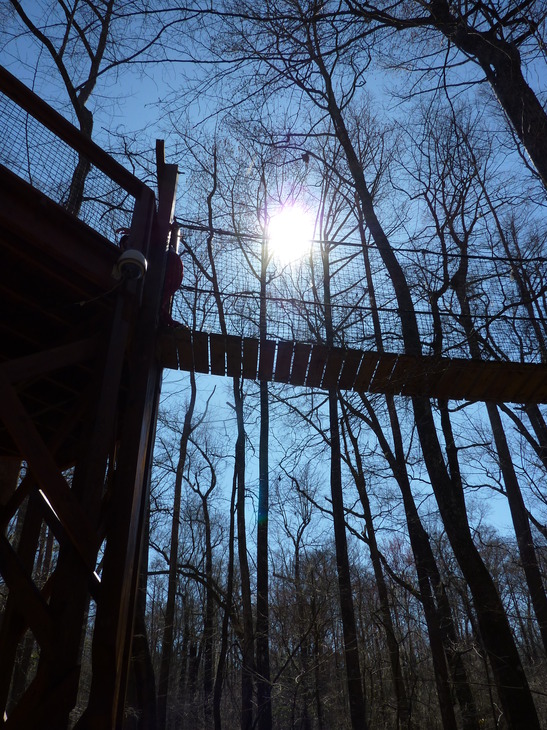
501,324
34,153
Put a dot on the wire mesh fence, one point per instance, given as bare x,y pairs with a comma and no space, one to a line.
34,153
496,318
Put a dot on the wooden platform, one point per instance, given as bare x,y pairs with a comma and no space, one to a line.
317,366
57,305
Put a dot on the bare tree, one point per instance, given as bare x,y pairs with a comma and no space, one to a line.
315,76
493,35
169,620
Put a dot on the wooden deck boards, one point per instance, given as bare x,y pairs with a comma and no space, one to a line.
283,362
318,366
218,354
300,363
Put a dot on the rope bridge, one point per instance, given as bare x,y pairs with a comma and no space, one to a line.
367,354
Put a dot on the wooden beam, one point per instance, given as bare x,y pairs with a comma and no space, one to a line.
200,348
349,369
38,703
381,380
366,371
250,357
317,366
301,359
234,356
47,361
167,351
47,474
333,366
183,338
14,623
266,360
66,131
527,384
130,493
319,355
218,354
29,215
27,597
457,379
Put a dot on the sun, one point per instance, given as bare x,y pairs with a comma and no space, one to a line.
290,232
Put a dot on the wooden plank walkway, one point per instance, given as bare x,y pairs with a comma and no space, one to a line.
317,366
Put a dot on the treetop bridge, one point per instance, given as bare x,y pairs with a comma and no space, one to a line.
83,348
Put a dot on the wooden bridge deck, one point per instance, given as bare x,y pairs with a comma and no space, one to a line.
317,366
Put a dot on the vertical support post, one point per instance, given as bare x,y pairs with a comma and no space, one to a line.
130,493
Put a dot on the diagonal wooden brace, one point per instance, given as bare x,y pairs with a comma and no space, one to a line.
50,479
27,596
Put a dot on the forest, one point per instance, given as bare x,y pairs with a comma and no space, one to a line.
327,559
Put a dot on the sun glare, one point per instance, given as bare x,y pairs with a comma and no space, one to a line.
289,234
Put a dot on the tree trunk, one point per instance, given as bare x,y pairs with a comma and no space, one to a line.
349,629
498,640
517,507
263,689
501,63
404,714
219,677
208,624
437,610
247,643
521,524
169,619
142,681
